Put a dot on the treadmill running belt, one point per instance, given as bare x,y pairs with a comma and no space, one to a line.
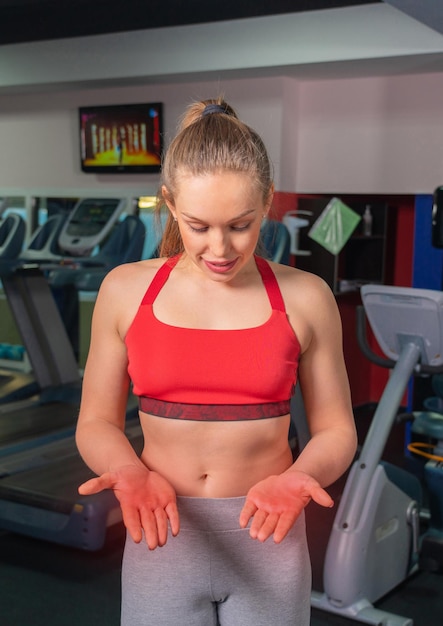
53,486
36,420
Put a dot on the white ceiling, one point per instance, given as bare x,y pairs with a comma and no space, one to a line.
361,40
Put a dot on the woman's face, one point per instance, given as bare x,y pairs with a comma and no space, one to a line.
219,216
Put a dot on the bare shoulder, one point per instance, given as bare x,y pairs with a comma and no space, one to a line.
302,288
129,274
310,304
123,288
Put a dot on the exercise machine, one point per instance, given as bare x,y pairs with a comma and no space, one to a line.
427,428
375,540
39,493
14,384
57,243
124,245
12,236
40,468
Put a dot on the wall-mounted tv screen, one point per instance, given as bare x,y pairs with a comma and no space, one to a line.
121,138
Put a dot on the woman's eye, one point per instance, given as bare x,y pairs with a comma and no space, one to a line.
241,227
201,229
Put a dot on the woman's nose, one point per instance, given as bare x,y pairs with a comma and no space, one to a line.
219,242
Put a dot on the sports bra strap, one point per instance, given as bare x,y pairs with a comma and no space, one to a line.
271,284
268,277
159,280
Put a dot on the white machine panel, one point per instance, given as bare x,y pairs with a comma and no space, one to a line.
89,223
400,314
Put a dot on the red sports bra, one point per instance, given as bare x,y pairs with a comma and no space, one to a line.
206,374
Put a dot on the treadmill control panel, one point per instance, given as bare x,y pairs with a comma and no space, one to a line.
89,224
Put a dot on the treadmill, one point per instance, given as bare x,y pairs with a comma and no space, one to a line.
14,383
59,242
40,468
52,360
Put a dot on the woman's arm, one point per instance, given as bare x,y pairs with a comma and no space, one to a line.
326,394
100,428
275,503
146,499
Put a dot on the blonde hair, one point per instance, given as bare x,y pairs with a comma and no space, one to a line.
210,139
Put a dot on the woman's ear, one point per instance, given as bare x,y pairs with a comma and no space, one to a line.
169,201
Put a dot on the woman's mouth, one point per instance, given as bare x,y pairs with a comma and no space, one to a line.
220,267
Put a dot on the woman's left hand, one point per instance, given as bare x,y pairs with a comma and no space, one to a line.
275,503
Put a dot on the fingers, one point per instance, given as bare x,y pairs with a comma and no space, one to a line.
95,485
284,525
156,525
161,522
277,525
174,520
152,524
149,520
147,502
131,520
263,525
321,497
266,524
247,512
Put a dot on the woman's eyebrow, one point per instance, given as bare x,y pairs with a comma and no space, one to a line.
234,219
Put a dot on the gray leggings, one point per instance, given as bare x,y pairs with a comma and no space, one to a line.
214,574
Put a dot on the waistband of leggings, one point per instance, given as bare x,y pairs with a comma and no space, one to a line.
210,514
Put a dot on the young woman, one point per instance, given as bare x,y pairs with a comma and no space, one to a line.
214,338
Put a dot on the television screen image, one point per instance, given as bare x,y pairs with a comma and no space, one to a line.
121,138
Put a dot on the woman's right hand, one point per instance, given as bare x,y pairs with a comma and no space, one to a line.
147,500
